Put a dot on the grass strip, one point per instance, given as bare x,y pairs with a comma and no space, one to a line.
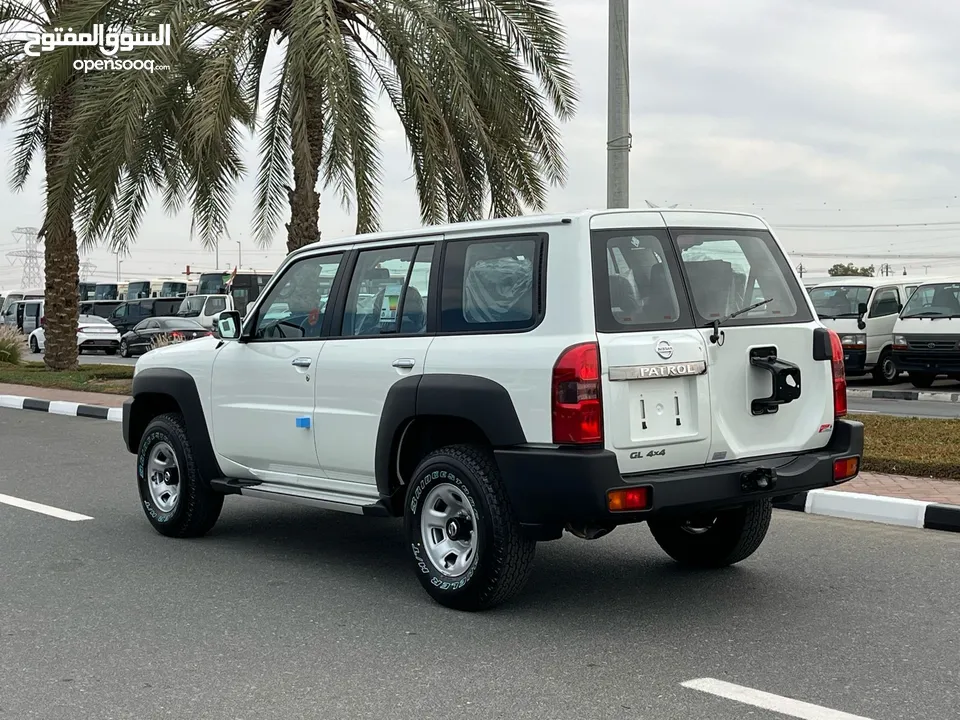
922,447
112,379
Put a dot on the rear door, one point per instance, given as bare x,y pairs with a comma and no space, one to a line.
730,262
655,390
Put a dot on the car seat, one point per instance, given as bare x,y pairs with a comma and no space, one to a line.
414,319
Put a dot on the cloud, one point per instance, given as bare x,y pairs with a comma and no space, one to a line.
817,112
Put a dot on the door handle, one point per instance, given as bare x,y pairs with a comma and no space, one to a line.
405,363
301,362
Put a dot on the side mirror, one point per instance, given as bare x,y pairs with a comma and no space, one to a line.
227,325
862,309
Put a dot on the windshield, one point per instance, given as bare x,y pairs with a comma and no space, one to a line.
211,283
172,289
836,301
935,300
106,291
191,306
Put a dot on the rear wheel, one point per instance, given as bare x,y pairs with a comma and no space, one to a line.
34,345
886,369
124,349
715,540
177,501
922,380
468,550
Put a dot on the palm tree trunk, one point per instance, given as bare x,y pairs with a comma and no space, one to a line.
61,301
304,225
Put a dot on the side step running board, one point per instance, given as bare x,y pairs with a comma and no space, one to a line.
314,498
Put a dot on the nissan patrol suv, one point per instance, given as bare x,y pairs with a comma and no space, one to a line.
496,383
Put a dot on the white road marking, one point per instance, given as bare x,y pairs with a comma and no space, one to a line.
44,509
768,701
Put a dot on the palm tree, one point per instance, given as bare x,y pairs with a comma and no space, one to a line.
109,140
474,85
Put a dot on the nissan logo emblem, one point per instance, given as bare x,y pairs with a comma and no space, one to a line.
664,350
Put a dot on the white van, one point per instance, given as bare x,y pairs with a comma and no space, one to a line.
926,337
205,308
862,311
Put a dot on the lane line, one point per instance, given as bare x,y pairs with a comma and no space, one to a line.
768,701
44,509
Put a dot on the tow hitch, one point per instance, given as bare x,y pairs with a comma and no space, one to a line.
786,380
758,480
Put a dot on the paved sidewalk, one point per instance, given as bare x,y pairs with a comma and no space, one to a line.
946,492
84,398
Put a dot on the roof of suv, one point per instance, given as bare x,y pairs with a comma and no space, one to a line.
867,281
672,218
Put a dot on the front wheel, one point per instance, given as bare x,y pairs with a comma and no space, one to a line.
717,540
177,501
34,345
922,380
886,370
467,547
124,349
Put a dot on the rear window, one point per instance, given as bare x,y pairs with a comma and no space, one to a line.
640,283
639,290
838,301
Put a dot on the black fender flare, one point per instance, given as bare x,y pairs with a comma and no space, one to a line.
151,384
484,402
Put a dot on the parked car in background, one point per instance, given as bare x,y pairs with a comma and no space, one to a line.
205,308
926,337
129,313
93,333
862,311
142,337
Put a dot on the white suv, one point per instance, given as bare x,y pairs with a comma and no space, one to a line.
497,382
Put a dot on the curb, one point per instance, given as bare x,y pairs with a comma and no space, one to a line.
62,407
876,508
921,395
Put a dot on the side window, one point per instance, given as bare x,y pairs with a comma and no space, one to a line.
296,305
491,285
153,324
413,306
887,302
640,284
121,311
375,290
141,326
215,305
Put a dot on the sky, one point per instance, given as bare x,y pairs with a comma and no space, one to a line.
815,115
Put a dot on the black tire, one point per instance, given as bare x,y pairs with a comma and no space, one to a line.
111,351
34,345
734,536
922,380
885,371
198,507
503,557
124,349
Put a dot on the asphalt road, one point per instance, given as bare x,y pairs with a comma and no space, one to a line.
286,612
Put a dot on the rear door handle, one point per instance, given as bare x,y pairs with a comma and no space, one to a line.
405,363
302,362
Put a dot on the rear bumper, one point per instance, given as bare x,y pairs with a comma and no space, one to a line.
855,361
908,361
550,487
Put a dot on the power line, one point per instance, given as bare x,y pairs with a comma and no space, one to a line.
30,255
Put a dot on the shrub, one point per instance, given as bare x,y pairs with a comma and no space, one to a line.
160,341
13,345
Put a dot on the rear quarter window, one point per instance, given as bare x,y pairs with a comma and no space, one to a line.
492,284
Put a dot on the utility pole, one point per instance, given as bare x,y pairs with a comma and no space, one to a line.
619,139
800,269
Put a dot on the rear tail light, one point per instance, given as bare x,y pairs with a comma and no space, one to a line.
577,410
176,335
43,321
839,376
